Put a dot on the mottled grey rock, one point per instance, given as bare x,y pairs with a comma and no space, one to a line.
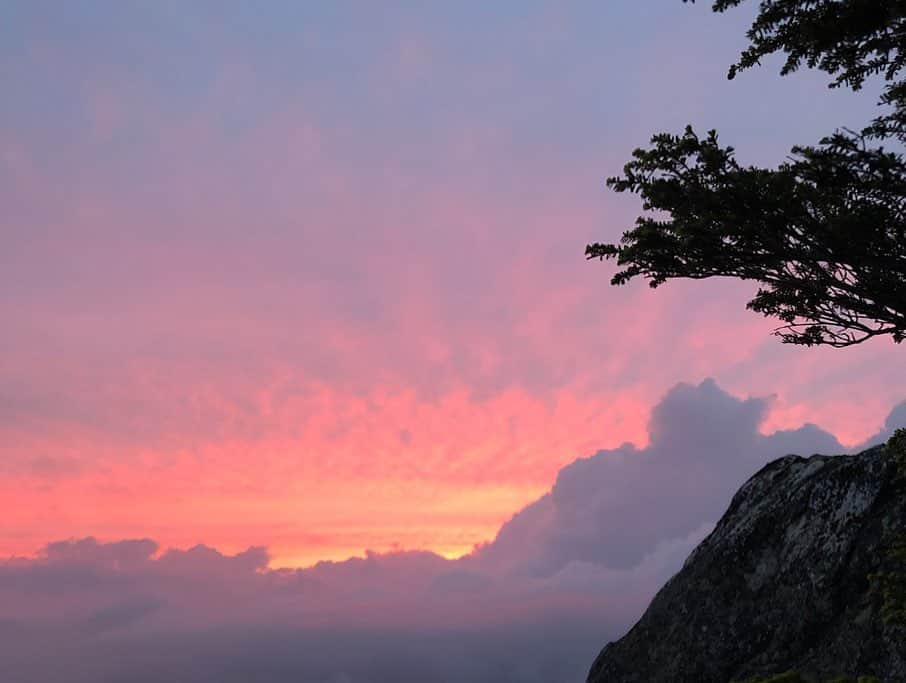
780,584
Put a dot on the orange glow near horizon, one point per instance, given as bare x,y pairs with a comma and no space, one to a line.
337,475
399,474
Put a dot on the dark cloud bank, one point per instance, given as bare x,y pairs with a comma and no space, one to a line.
564,575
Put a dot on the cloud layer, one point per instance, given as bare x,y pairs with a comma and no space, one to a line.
565,574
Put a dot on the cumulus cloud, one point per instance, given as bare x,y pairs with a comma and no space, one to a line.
613,508
895,420
567,573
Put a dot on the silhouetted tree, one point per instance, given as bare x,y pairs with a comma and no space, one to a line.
823,233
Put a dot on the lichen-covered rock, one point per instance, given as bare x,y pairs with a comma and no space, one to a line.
782,583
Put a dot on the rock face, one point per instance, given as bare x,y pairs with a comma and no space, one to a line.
780,584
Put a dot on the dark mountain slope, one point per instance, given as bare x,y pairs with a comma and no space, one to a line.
781,584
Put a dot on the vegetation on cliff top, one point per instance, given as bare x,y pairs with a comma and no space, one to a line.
824,234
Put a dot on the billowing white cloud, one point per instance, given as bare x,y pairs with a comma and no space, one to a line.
895,420
613,508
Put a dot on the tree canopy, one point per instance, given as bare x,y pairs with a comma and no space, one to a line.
823,232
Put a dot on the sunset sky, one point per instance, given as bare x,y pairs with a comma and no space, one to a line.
310,276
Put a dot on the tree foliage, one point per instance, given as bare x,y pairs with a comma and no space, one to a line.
822,233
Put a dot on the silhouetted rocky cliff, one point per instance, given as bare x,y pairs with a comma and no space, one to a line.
782,583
